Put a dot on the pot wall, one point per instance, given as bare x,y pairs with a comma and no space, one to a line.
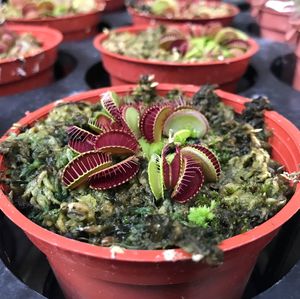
73,28
37,80
125,70
35,70
273,25
296,81
297,50
81,278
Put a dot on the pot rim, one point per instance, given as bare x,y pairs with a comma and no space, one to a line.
129,255
234,11
100,38
37,21
54,37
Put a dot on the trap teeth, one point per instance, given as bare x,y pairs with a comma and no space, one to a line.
115,175
153,120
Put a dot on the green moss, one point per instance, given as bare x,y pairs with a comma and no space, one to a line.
202,215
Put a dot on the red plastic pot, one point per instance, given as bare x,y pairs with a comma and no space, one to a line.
146,19
37,69
296,81
112,5
94,272
293,36
273,23
73,27
124,70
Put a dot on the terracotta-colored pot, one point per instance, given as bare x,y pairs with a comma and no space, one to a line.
296,81
274,23
293,36
94,272
145,19
73,27
112,5
35,70
124,70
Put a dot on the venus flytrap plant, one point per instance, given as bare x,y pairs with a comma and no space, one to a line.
159,7
15,44
32,9
189,43
173,164
176,9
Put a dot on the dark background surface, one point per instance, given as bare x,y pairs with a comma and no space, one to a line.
78,69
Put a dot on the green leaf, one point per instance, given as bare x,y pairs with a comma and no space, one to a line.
159,7
155,176
170,158
132,118
182,135
186,119
116,98
149,149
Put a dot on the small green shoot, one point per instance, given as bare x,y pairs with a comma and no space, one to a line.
201,216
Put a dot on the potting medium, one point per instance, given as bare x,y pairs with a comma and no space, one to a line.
181,12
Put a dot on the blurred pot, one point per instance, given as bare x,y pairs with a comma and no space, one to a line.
139,18
73,27
272,17
35,70
124,70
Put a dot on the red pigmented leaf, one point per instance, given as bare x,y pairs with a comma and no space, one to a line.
30,10
80,140
111,108
103,123
82,167
190,182
212,28
181,103
108,103
174,39
117,142
152,121
237,43
115,175
171,170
